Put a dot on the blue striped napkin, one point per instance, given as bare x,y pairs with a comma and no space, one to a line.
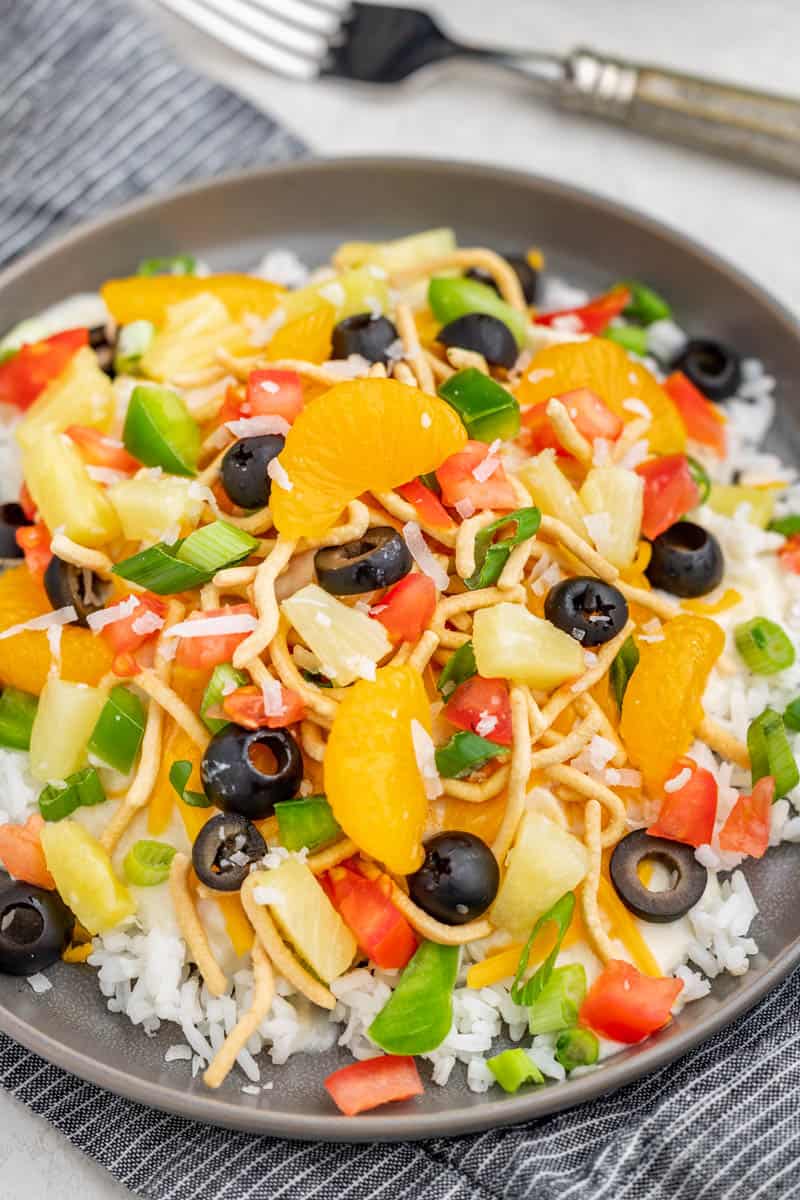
94,111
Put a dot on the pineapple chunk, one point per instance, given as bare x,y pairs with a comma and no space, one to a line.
63,492
148,507
64,722
191,335
728,498
347,642
85,876
552,492
350,292
511,643
613,496
400,254
81,395
545,862
307,919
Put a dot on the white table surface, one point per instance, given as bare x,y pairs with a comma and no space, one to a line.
747,216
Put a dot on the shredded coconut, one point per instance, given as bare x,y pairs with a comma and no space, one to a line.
486,724
272,694
200,627
540,373
465,508
277,474
149,622
258,426
61,616
106,475
423,555
425,754
634,405
678,781
426,420
40,983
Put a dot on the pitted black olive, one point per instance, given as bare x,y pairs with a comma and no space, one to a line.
485,335
224,850
591,611
527,275
458,879
687,882
376,560
237,780
35,929
364,334
103,341
12,518
244,469
714,368
66,584
686,560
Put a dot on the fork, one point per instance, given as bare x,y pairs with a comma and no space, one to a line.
373,44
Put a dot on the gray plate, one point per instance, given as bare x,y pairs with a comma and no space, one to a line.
311,207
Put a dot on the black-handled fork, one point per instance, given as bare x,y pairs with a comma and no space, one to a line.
369,43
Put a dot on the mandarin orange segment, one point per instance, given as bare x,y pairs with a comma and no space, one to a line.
362,435
25,658
372,779
663,700
606,369
307,337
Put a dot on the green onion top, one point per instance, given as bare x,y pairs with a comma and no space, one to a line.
770,752
179,774
764,646
492,556
701,477
512,1068
623,666
646,304
459,667
631,337
82,789
147,863
177,264
788,525
464,753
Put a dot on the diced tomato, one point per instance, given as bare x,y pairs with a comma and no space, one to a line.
34,541
275,393
537,431
669,492
626,1006
746,830
26,503
375,1081
125,665
245,707
591,415
101,451
594,316
406,609
22,855
201,653
688,814
475,703
122,637
457,480
704,423
233,405
380,929
789,554
27,374
429,507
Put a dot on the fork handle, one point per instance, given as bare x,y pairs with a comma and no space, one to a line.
741,123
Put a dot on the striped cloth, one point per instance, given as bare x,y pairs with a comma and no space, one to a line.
94,111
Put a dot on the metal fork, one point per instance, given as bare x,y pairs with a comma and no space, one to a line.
368,43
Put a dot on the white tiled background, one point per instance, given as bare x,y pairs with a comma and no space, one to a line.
747,216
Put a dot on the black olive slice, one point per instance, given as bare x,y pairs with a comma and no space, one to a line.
244,469
458,879
686,560
224,851
35,928
377,560
66,584
714,368
591,611
234,781
688,877
485,335
364,334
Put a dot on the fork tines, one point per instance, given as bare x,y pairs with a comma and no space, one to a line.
291,37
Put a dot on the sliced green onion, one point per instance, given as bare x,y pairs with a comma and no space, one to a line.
764,646
160,431
306,822
453,297
164,570
646,305
487,410
83,789
789,526
147,863
216,546
623,666
770,752
431,483
179,774
17,713
132,341
118,733
556,1007
577,1048
224,679
701,478
177,264
464,753
512,1068
318,680
631,337
791,715
560,914
491,556
459,667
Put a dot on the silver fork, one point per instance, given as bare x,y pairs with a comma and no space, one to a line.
368,43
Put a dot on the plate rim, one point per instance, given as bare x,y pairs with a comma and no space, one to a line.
401,1124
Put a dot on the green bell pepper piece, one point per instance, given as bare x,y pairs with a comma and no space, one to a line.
17,713
487,409
451,298
512,1068
224,679
646,305
118,734
417,1016
306,822
631,337
160,431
